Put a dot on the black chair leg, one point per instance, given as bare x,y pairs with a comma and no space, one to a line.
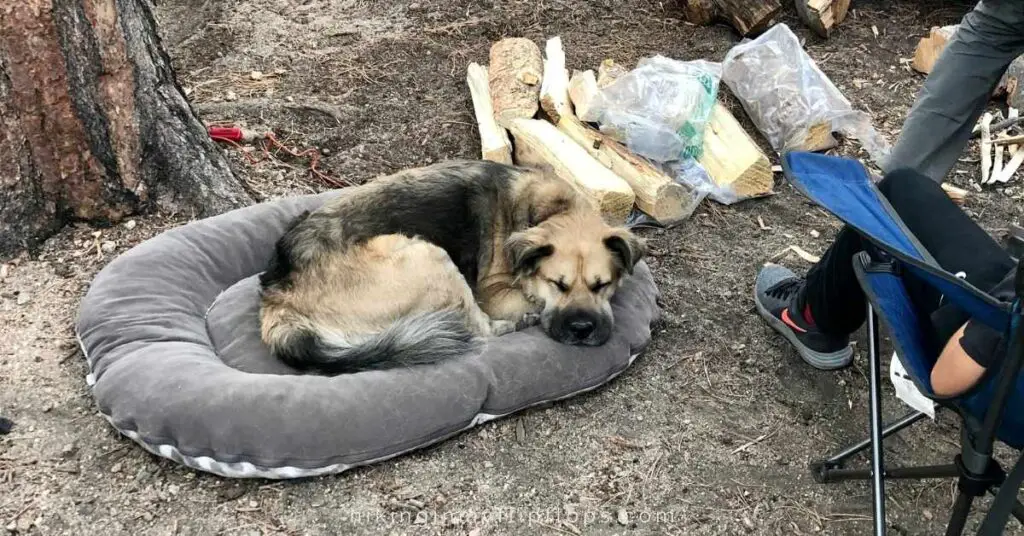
1018,507
877,463
958,518
824,468
1018,512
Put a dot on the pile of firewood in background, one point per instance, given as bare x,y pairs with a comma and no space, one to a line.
751,17
520,84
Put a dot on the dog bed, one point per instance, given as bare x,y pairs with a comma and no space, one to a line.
171,334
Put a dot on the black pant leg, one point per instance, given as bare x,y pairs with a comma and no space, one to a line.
836,300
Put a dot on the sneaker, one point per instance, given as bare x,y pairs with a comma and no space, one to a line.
775,293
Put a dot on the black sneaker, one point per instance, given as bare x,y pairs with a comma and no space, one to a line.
775,293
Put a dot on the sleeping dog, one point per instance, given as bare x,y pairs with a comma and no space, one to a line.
377,278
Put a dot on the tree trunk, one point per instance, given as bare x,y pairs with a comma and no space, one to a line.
95,126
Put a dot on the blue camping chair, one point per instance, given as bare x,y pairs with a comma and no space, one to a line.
993,410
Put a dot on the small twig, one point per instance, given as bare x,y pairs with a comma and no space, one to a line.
22,512
753,442
680,360
69,355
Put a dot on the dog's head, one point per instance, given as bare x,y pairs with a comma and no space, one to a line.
572,264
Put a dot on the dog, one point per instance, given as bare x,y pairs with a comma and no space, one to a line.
380,276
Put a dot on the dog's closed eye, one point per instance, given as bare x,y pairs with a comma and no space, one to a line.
559,284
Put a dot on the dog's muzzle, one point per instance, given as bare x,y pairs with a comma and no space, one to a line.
580,327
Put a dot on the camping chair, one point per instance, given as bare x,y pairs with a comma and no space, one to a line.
992,410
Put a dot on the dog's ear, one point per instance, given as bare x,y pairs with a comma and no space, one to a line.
524,251
626,248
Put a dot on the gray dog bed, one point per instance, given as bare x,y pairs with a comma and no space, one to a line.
170,332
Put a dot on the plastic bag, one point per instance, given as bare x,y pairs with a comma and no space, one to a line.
659,110
691,174
786,95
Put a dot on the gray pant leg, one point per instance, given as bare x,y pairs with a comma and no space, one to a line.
959,87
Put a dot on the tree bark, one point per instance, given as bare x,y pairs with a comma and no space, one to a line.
95,126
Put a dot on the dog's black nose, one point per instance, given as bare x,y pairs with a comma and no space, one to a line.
581,328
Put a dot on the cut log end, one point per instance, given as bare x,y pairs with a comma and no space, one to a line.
822,16
930,48
699,12
732,159
749,17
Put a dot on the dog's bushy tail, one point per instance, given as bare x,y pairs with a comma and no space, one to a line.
413,340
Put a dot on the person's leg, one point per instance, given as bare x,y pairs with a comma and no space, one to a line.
960,85
783,300
956,242
818,314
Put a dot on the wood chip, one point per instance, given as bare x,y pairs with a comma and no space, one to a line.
800,252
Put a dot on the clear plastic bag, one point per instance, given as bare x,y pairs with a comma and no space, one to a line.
786,95
691,174
659,110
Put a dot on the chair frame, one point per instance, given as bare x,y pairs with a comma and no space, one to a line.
977,471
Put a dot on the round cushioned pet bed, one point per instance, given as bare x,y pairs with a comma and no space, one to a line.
170,331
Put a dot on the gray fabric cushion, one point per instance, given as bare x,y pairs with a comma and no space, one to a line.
171,335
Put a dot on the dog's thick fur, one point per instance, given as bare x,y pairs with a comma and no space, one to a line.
378,277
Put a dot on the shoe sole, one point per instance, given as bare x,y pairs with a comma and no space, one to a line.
818,360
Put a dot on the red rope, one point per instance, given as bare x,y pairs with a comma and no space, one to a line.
234,135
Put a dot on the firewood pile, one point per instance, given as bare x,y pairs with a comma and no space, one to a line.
529,98
751,17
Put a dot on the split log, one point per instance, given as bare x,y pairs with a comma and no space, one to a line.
515,77
1016,155
930,48
96,127
583,92
819,138
748,17
554,90
1011,167
539,144
608,72
986,147
822,16
731,157
656,193
494,143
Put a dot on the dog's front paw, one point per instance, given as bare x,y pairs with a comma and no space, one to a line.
503,327
528,320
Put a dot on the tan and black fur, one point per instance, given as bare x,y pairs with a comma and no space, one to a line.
378,277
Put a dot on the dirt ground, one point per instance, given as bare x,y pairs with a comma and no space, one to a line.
711,430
